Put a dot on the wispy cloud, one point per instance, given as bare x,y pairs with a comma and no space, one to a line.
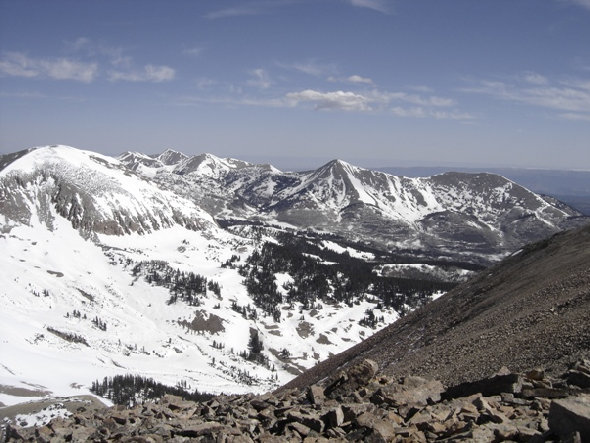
149,73
23,94
414,112
246,8
81,43
583,3
231,101
420,100
376,5
235,12
260,79
17,64
535,78
195,51
570,98
311,67
420,112
341,100
353,79
420,88
375,100
575,116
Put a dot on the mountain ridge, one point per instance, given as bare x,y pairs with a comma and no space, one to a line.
482,216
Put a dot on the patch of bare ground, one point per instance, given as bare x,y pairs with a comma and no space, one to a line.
204,322
304,329
22,392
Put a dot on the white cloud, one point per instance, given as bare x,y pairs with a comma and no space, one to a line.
419,100
354,79
535,79
64,69
150,73
311,67
415,112
17,64
359,79
567,96
246,8
339,100
375,5
260,79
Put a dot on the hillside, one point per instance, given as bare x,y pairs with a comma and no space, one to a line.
532,309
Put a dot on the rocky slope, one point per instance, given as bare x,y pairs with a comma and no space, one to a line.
356,405
531,309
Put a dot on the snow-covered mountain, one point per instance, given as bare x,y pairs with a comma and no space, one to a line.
167,265
94,258
475,217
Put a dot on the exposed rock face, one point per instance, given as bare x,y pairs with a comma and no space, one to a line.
365,407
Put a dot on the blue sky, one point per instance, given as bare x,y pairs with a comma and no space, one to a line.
298,82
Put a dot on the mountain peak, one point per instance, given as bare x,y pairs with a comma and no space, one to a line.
337,163
336,167
171,157
55,156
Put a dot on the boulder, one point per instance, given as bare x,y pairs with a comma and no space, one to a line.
570,415
315,394
510,383
578,378
334,417
346,382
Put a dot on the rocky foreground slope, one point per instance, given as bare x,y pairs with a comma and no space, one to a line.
532,309
355,405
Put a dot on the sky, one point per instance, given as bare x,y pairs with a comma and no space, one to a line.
299,82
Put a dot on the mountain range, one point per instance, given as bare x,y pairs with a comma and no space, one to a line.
224,275
470,217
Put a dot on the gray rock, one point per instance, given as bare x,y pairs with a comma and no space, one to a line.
207,428
334,417
535,374
578,378
346,382
310,420
511,383
570,415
